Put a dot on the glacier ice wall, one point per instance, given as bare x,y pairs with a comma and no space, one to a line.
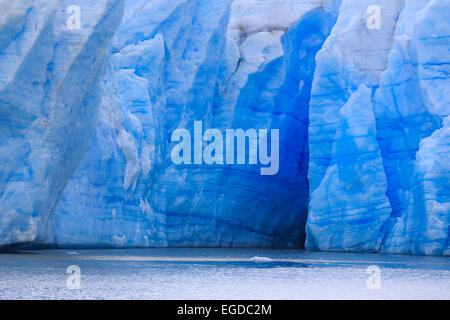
228,64
418,165
49,93
404,64
350,206
86,117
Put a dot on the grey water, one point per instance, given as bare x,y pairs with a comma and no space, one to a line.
220,274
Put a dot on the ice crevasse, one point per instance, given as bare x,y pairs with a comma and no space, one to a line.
86,117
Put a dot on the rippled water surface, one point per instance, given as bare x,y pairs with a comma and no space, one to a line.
220,274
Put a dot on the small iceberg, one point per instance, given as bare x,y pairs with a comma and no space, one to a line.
261,259
72,253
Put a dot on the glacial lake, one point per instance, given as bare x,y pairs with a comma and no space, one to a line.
220,274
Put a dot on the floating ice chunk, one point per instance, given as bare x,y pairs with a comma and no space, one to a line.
261,259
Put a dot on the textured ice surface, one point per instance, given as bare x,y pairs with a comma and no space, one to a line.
49,103
86,117
228,64
221,274
349,207
398,147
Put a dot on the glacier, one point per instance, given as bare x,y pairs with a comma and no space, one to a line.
49,103
86,117
398,201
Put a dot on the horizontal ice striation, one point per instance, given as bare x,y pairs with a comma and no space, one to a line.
405,65
49,93
230,64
